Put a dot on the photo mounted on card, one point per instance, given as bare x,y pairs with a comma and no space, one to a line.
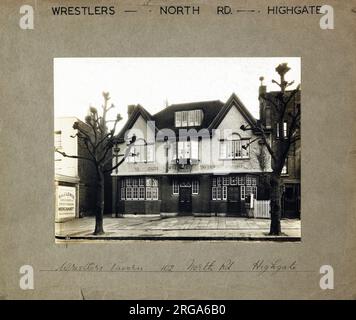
164,150
177,148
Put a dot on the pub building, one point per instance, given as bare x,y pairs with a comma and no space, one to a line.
219,171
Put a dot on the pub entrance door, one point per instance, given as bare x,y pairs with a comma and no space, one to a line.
185,200
233,201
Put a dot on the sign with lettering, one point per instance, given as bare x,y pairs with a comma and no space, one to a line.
66,202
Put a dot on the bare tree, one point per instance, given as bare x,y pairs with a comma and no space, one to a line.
278,148
99,141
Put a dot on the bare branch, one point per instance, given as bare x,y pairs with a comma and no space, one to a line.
127,151
264,139
74,157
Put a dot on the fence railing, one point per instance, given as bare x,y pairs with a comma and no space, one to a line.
261,209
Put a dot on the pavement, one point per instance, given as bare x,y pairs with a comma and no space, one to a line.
177,228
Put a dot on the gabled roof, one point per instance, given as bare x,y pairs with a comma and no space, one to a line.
138,110
232,101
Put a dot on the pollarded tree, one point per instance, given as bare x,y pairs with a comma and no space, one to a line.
279,139
99,141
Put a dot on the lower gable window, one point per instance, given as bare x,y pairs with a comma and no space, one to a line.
139,189
235,148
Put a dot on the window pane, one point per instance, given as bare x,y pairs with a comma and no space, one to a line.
58,140
154,193
245,152
194,149
224,195
198,117
175,187
243,193
248,180
148,193
184,118
218,195
191,116
253,181
134,193
213,193
129,193
195,186
142,193
178,119
222,150
148,182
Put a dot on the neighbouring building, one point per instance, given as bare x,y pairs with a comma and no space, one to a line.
75,179
194,159
291,171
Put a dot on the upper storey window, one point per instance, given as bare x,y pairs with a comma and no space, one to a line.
191,118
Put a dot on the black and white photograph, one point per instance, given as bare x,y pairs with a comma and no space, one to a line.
177,149
156,153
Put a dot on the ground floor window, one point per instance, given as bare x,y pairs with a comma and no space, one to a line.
140,188
219,193
247,184
251,190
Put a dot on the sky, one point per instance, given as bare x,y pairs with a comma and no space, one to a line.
79,82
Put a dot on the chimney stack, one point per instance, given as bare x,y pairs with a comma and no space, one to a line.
262,89
130,109
264,110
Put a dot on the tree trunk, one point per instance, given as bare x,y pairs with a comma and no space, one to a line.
276,209
99,212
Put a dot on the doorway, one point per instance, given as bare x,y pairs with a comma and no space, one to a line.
233,201
185,200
